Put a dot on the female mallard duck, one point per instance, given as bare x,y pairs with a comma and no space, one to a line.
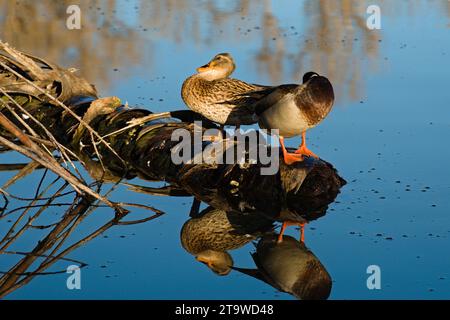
213,232
293,109
217,97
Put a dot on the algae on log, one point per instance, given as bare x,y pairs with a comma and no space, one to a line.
112,150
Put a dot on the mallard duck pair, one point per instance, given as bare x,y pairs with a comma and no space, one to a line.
292,108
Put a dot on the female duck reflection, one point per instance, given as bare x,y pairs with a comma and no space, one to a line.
288,266
211,233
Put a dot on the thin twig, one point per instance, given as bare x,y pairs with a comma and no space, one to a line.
54,166
138,121
29,168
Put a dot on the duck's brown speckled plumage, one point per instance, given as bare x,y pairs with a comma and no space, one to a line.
218,230
210,235
219,98
222,100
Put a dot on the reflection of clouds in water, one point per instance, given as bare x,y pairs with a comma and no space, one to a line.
334,40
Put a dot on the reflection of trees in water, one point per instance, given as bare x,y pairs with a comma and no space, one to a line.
326,44
41,26
338,42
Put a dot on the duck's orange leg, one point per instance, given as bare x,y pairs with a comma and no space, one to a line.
303,150
289,158
302,232
288,223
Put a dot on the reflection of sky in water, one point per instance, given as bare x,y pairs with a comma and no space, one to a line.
392,128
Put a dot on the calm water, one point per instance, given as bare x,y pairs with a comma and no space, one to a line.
387,136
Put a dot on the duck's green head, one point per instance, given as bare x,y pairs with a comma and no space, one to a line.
221,66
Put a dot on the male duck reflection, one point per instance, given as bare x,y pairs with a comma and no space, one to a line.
291,108
290,267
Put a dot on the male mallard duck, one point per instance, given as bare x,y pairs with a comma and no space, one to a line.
293,109
213,232
290,267
217,97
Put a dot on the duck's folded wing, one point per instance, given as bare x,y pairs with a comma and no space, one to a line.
237,94
266,98
227,89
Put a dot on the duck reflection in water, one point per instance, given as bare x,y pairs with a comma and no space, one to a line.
290,267
287,265
213,232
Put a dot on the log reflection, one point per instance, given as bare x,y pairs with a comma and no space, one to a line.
288,266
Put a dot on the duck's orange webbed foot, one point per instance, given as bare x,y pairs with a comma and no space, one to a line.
303,150
289,158
289,223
